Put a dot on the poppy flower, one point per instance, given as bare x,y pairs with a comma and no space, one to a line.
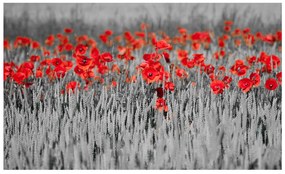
239,69
237,42
275,61
108,32
163,45
169,86
196,46
150,74
140,34
102,69
19,77
201,36
227,80
255,78
151,56
60,71
198,58
116,68
79,71
28,65
39,74
68,30
68,47
227,28
72,86
34,58
166,56
251,60
209,69
83,62
271,84
35,45
6,44
181,73
128,36
245,84
217,86
107,57
184,61
94,53
68,65
269,38
159,92
228,22
161,105
50,40
190,64
80,49
182,54
56,62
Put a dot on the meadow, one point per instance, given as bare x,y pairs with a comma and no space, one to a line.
147,96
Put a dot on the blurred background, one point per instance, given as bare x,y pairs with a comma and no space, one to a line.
27,19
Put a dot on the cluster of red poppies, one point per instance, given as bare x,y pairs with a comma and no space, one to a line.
52,59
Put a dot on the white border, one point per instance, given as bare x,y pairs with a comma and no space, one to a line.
130,171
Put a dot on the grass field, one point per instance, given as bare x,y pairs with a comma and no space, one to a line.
147,97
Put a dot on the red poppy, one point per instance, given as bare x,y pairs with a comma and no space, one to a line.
198,58
217,86
195,46
34,58
19,77
159,92
79,71
184,61
35,45
68,30
68,47
151,56
255,78
107,57
269,38
181,73
150,74
56,61
227,28
161,105
108,32
72,86
245,84
227,80
94,53
166,56
228,22
83,62
209,69
39,74
162,45
81,49
50,40
239,69
6,44
102,69
68,65
182,54
60,71
271,84
169,86
251,60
